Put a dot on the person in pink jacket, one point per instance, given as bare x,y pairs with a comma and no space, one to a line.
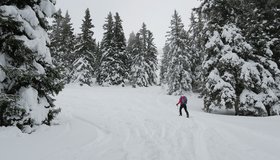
183,104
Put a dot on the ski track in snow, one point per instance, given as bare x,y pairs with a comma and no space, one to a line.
141,124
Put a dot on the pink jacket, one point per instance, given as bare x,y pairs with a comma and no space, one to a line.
180,100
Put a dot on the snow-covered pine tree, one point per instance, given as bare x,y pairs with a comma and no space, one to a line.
68,45
196,50
137,72
143,58
263,26
85,54
97,63
129,50
262,30
144,36
163,65
57,44
151,59
112,70
179,67
107,49
27,76
120,54
235,75
62,43
56,38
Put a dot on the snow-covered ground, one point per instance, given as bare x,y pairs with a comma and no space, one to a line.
141,124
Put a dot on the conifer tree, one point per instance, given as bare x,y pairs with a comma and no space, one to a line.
69,41
196,50
263,27
56,38
151,59
144,36
164,65
97,63
129,49
138,74
27,76
120,50
112,70
57,44
85,53
238,71
143,58
107,49
179,66
62,44
262,31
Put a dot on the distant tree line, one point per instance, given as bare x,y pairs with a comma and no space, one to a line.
113,61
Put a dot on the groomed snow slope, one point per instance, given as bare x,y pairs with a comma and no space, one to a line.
141,124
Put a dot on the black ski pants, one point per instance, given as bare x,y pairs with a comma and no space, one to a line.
185,108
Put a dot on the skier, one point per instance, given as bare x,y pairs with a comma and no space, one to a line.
183,104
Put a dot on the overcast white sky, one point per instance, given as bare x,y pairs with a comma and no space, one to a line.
155,13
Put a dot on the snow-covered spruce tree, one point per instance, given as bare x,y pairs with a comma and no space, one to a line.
62,44
97,63
129,49
56,38
57,43
120,54
106,50
85,54
235,75
164,65
144,59
196,50
138,76
262,32
144,36
151,59
27,76
179,66
263,27
68,46
112,70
